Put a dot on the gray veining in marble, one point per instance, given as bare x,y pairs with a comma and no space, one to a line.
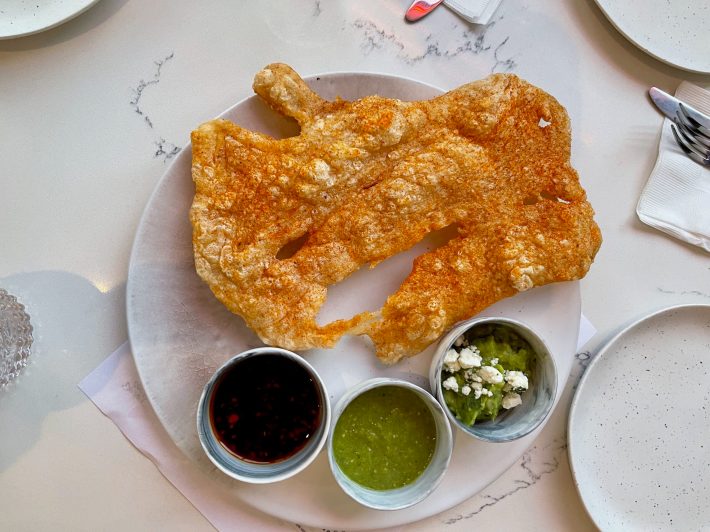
684,292
142,85
535,463
163,148
166,150
501,64
473,41
583,358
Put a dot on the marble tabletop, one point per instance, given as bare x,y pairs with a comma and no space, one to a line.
92,113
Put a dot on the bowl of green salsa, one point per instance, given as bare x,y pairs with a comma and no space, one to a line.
495,378
390,443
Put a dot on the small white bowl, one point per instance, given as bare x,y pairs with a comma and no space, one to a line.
396,499
252,472
537,400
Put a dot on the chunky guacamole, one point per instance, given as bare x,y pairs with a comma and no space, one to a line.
486,371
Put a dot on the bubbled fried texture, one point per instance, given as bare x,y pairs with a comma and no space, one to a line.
367,179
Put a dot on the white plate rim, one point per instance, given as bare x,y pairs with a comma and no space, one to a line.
562,377
589,370
628,34
68,15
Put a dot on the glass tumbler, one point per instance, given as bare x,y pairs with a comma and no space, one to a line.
15,337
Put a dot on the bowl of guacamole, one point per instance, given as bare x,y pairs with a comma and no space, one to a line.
495,378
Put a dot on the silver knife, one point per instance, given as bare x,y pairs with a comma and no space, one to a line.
670,106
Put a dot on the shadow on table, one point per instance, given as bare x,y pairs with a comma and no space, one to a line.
93,17
76,325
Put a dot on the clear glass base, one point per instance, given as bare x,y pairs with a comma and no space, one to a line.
15,337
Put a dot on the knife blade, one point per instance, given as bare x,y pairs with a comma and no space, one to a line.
420,8
670,106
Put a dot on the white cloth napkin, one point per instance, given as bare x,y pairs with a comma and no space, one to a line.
676,198
476,11
115,388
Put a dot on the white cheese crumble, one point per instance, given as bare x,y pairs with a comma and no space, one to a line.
451,384
465,389
451,361
494,361
470,357
516,379
451,356
459,341
490,375
477,388
511,400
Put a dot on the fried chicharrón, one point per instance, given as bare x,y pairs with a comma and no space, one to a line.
367,179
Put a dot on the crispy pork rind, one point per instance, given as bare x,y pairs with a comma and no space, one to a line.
367,179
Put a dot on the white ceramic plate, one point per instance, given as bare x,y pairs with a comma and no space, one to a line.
639,427
19,18
675,31
180,334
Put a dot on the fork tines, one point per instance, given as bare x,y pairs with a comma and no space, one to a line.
692,136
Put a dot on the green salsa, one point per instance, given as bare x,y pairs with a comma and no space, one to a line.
485,372
385,438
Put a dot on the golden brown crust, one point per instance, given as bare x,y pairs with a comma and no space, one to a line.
367,179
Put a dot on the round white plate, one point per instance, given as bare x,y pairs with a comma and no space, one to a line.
180,334
675,31
639,426
19,18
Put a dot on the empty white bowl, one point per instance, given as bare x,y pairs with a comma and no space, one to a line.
398,498
537,400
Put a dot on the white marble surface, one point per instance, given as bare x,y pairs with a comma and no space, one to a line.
91,113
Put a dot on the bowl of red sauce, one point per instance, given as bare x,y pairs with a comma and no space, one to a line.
264,415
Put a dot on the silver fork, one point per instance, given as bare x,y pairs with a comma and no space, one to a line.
692,136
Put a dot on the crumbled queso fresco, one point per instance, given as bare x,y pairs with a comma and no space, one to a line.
479,374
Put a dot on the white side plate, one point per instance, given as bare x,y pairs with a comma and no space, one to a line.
639,426
19,18
675,31
180,334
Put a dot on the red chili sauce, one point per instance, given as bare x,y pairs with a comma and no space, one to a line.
265,408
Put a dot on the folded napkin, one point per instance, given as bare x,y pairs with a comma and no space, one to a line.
476,11
115,388
676,198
